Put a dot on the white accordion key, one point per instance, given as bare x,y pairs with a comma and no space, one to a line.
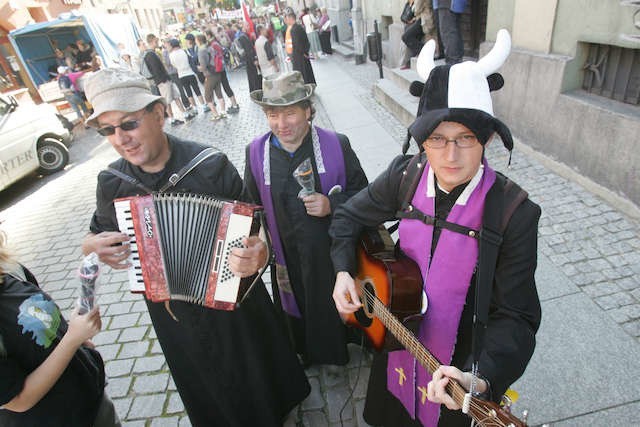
125,224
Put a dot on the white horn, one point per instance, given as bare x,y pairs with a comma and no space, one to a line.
493,60
425,60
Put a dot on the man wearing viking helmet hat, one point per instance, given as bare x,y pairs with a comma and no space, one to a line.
451,206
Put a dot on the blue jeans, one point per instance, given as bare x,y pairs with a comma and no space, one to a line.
449,25
77,103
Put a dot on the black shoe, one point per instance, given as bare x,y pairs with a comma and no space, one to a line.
176,122
189,116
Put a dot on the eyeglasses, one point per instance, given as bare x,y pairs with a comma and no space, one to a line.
127,126
463,141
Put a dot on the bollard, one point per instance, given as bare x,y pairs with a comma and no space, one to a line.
374,46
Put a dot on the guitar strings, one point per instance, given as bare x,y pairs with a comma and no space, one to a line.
411,342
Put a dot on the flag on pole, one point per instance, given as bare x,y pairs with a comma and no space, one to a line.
247,18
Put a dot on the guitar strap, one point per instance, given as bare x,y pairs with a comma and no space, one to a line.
501,202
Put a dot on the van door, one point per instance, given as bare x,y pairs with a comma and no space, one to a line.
18,155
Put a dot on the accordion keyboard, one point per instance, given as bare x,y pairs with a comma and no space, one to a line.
125,222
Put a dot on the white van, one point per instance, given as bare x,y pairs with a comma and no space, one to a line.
32,138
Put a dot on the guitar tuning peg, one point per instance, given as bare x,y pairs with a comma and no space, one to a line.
525,415
506,402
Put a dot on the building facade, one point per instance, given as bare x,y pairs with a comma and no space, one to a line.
572,84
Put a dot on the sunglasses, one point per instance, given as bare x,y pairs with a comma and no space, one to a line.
127,126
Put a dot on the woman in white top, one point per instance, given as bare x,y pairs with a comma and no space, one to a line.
180,60
309,21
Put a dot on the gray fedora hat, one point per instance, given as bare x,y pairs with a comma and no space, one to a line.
280,90
114,89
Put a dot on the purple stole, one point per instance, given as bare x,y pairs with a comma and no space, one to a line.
329,161
447,277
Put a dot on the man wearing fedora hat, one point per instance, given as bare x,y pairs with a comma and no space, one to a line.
299,223
472,234
230,367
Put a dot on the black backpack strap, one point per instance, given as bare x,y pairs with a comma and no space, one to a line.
408,184
131,180
414,213
176,177
501,202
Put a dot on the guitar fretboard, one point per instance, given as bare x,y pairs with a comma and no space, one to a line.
411,343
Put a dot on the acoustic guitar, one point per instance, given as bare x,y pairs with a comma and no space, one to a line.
391,289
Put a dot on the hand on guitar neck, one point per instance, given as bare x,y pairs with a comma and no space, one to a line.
436,389
345,295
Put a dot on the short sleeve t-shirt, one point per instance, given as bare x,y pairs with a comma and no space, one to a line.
31,325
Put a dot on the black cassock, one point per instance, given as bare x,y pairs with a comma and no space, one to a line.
231,368
300,56
254,79
320,336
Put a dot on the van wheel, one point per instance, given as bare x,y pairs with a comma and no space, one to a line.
52,155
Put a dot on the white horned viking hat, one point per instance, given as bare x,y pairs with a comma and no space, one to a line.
461,93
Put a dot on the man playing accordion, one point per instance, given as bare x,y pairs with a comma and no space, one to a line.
233,368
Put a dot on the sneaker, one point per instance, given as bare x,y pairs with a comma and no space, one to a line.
206,109
233,110
188,116
223,115
176,122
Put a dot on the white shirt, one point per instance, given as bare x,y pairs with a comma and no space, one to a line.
180,61
309,21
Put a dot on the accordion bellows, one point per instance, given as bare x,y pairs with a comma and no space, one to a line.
180,245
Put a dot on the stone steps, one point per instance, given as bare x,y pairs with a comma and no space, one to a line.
344,48
393,92
396,99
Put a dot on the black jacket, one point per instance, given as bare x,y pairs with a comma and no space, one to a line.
514,313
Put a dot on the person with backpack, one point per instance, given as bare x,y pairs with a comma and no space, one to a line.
221,55
472,234
192,51
212,76
51,374
182,62
67,84
152,68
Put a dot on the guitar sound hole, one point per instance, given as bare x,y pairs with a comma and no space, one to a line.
362,318
365,315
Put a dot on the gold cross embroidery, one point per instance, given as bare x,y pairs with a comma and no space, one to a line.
423,394
401,376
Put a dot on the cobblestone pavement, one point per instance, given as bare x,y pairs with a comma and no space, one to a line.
46,218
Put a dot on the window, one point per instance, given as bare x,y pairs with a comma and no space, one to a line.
613,72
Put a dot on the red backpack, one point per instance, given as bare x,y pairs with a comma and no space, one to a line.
216,57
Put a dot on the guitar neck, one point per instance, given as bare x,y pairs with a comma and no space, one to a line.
414,346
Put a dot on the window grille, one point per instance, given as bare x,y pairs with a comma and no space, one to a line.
613,72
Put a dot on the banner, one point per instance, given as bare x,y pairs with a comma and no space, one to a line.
227,14
247,18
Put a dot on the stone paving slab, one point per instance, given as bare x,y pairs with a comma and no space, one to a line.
584,364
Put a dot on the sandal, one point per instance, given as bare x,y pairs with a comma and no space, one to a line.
215,118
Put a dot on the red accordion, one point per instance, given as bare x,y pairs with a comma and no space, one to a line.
180,245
